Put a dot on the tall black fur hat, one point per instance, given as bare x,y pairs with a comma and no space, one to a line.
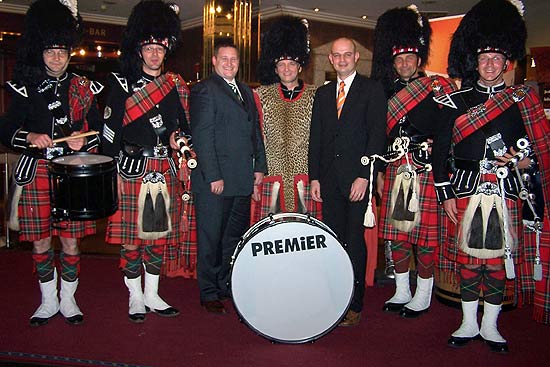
151,22
286,39
48,24
399,30
490,26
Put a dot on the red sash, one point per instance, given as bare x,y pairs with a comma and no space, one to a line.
145,99
415,92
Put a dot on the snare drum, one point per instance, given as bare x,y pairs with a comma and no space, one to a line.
291,279
83,186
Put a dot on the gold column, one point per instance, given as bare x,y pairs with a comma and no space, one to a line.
228,20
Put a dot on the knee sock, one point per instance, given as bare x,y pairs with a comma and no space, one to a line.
470,283
70,266
493,286
152,258
401,254
130,262
44,265
425,262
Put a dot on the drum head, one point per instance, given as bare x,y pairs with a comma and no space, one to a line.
292,281
82,159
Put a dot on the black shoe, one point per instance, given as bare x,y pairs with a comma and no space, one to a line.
392,307
167,312
39,321
411,314
460,341
136,318
74,320
497,347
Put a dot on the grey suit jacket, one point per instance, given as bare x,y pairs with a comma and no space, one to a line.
226,137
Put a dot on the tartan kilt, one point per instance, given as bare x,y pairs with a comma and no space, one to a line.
454,253
427,232
122,227
261,209
180,259
34,212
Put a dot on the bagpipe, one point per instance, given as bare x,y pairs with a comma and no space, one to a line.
187,160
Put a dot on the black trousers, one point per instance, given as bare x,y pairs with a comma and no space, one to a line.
221,222
345,218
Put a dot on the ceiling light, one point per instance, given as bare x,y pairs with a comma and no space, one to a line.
364,17
316,9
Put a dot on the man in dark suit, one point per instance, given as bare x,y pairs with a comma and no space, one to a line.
348,122
230,150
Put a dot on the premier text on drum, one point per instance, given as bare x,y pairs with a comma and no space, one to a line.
288,245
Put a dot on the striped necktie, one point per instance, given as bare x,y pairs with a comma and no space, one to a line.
236,91
341,98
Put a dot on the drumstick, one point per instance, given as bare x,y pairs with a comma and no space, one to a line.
71,137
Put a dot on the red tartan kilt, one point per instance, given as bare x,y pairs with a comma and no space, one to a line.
454,253
427,232
34,212
122,227
261,208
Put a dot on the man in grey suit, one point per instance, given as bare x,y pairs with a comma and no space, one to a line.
348,121
230,150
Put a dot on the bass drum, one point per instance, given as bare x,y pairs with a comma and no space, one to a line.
291,279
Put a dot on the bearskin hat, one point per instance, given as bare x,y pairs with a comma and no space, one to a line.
286,39
48,24
151,22
490,26
398,31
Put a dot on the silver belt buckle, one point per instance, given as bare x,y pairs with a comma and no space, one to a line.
487,166
54,152
488,188
160,151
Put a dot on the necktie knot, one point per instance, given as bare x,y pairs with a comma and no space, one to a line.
341,98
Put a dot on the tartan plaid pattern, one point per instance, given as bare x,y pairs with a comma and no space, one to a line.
80,98
130,262
44,265
261,209
454,253
536,124
152,258
122,227
35,212
415,92
427,232
180,260
145,99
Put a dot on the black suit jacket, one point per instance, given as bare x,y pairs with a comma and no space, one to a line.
226,137
337,145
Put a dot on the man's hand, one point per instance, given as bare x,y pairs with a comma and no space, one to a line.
502,161
76,144
217,187
256,195
258,178
315,189
41,141
173,143
358,189
450,208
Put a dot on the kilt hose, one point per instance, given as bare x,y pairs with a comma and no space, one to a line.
427,232
122,227
34,212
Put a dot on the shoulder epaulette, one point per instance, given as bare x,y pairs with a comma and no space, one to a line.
21,89
122,81
447,99
96,87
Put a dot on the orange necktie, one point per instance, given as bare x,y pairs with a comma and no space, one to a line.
341,99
